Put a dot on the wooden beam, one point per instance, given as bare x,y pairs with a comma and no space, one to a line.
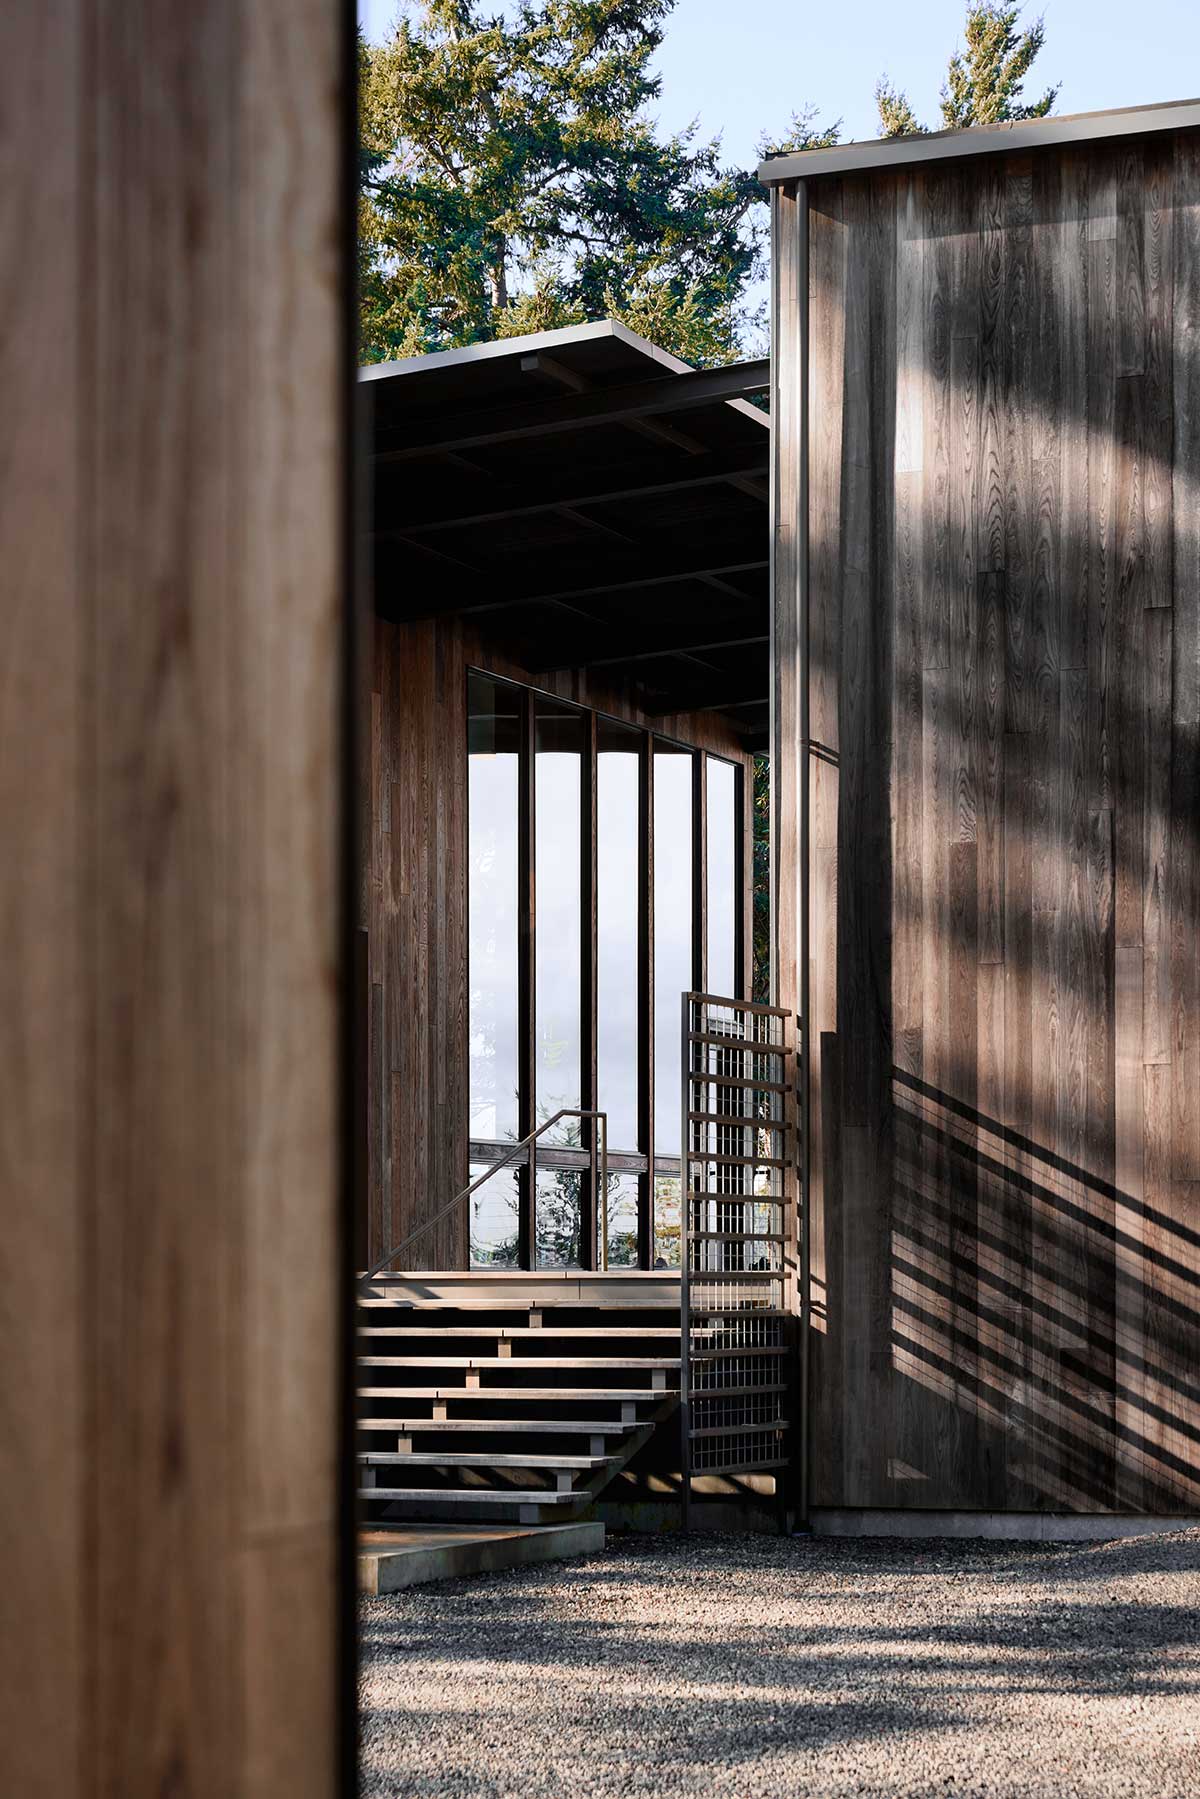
654,571
627,480
666,645
723,697
666,396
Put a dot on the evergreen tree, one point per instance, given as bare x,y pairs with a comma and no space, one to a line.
984,81
512,180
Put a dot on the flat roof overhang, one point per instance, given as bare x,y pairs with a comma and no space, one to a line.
586,501
980,140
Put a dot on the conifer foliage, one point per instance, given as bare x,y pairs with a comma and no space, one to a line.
984,81
512,180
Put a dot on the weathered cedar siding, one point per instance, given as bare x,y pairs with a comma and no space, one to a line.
1004,867
414,915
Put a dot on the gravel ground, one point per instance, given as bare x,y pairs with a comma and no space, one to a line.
742,1666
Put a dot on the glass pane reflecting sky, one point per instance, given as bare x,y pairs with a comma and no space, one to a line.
617,882
672,932
721,815
558,890
492,886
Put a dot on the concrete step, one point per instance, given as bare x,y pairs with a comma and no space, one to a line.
407,1555
470,1496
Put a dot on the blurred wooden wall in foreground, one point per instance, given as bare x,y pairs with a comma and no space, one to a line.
173,363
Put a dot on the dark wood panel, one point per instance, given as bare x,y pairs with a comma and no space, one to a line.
174,351
1003,858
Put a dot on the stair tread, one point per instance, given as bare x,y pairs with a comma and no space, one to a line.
380,1458
511,1332
539,1393
596,1427
470,1362
472,1495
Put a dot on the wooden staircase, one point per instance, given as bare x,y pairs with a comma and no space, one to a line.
508,1397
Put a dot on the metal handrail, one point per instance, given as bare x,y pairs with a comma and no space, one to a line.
526,1142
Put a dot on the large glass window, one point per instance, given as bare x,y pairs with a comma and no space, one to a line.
560,912
673,901
559,736
494,745
721,877
618,890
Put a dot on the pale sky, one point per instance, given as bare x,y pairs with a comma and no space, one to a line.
744,77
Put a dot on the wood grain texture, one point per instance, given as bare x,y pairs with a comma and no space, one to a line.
173,536
45,1646
1006,941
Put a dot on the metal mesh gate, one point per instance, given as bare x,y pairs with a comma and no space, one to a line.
739,1251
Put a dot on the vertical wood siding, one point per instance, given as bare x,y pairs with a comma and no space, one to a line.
1004,846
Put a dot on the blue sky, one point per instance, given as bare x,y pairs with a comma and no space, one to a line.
743,77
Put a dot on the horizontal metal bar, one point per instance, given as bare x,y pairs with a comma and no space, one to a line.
735,1468
768,1312
724,1161
736,1237
740,1430
710,1276
739,1122
481,1149
739,1393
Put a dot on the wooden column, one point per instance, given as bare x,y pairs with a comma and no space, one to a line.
174,360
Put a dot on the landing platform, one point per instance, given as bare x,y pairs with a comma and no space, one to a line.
389,1560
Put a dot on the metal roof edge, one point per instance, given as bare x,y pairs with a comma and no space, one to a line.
499,347
980,140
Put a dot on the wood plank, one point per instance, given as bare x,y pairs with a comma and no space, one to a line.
1052,1028
173,523
1156,658
1101,478
1158,411
1014,1214
1072,265
1185,701
1018,403
47,1647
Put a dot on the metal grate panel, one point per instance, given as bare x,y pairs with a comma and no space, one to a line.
739,1249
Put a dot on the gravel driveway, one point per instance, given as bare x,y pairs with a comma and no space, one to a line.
753,1665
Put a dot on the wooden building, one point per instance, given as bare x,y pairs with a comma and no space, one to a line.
986,407
570,678
963,616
